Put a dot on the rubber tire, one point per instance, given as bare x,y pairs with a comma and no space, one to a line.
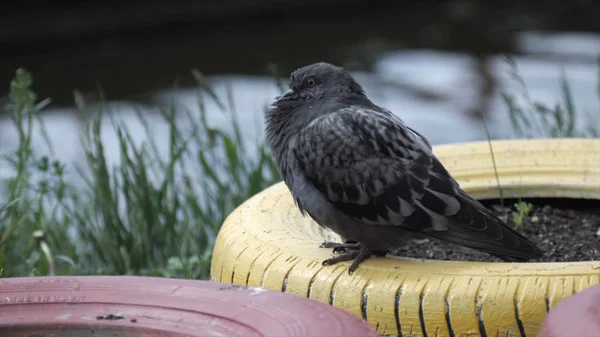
267,242
146,306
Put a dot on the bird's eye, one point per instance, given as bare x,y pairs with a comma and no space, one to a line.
311,82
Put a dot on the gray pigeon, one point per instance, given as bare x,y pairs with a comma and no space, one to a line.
357,169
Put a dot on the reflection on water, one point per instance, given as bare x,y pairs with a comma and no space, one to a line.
430,90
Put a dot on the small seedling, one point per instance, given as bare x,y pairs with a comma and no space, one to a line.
522,211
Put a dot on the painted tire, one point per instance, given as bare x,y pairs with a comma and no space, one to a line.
101,306
266,242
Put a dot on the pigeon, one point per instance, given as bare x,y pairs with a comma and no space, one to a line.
358,170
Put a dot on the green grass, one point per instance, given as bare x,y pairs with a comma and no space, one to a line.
151,215
148,216
537,118
548,121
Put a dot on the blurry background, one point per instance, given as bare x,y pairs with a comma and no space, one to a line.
442,66
437,64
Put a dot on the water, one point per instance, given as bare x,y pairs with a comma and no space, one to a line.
433,91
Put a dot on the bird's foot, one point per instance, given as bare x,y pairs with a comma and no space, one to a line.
349,251
339,247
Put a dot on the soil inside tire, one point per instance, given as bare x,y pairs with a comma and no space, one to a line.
566,230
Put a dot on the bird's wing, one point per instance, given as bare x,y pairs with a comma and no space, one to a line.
373,168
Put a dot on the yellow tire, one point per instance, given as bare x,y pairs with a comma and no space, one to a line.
266,242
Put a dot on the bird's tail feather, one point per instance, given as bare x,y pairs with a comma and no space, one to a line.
474,226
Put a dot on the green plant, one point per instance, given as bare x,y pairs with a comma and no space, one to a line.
522,210
26,210
536,119
489,140
152,214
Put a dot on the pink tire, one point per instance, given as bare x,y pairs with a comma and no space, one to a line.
576,316
146,306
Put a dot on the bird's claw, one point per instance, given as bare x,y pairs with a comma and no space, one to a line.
348,251
329,244
339,247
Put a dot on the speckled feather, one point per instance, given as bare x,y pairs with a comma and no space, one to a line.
376,170
357,169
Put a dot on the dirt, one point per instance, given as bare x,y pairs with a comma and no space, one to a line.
565,230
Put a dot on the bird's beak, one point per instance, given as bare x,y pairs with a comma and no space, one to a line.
287,94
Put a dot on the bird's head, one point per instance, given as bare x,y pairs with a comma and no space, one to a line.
317,81
314,90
